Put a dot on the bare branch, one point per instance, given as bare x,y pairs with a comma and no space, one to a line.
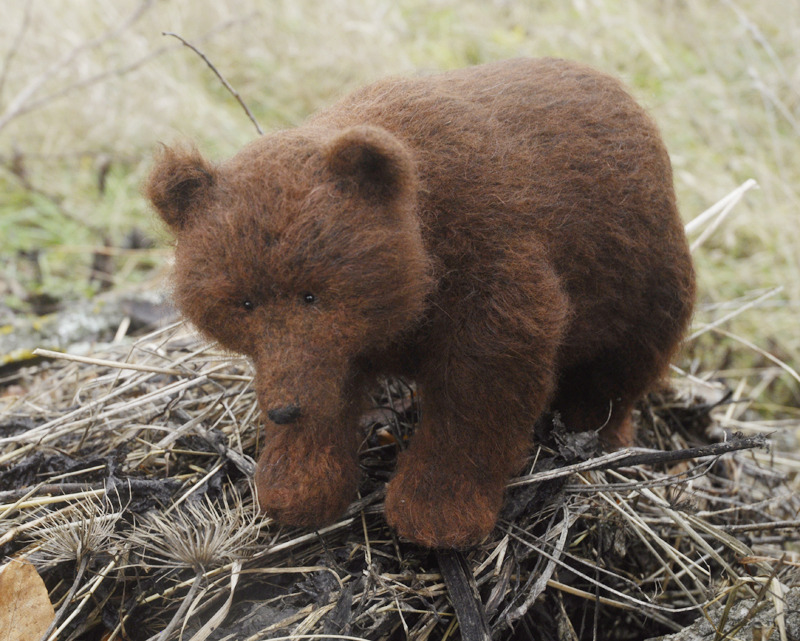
225,83
629,457
715,449
464,596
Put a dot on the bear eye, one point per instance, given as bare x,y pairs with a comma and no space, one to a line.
309,298
248,305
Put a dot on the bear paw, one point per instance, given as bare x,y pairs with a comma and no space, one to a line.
307,488
437,510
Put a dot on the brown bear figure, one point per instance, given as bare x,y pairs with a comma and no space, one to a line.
505,235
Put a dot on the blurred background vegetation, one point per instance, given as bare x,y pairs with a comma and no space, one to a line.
88,90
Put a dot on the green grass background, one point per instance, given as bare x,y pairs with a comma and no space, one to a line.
85,84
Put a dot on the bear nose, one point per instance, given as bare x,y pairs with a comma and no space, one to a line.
284,415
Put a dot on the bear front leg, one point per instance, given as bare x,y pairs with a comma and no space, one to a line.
308,473
489,372
474,435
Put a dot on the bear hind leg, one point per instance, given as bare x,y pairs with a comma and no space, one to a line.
600,395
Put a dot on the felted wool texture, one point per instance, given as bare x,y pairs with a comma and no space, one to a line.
505,235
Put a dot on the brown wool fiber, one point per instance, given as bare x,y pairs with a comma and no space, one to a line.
505,235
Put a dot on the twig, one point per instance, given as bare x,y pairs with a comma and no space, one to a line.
47,353
626,458
583,466
543,579
178,616
464,595
226,84
784,366
757,527
716,449
733,314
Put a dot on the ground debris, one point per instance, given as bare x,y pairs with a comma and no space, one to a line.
773,617
124,477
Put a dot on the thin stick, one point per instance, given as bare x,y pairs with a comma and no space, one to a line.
755,527
225,83
464,596
724,204
654,458
628,457
734,313
46,353
785,367
178,616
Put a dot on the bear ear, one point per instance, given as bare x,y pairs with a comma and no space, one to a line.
179,184
373,163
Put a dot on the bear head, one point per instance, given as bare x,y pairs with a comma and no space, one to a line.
302,252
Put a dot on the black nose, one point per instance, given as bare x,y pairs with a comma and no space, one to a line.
284,415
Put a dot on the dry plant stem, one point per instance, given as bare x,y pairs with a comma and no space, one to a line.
785,367
544,578
178,616
569,589
757,527
99,362
727,204
225,83
98,579
716,449
628,457
216,620
49,500
721,205
84,562
736,312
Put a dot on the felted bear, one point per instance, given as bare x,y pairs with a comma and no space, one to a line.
505,235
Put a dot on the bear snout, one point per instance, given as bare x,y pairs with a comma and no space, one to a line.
284,415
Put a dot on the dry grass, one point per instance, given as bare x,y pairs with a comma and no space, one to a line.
85,85
125,479
129,487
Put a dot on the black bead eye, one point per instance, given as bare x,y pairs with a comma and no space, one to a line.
309,298
248,305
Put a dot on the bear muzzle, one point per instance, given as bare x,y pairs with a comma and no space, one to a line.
284,415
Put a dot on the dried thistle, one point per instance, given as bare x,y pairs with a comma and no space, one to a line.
200,535
74,533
